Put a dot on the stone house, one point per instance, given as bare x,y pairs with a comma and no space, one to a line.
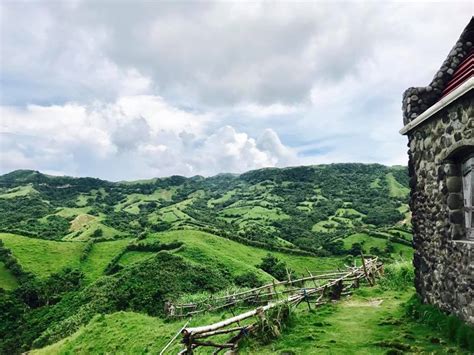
439,124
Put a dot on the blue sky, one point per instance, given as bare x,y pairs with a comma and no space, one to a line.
130,90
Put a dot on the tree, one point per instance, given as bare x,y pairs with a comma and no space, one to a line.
356,249
275,267
249,279
97,233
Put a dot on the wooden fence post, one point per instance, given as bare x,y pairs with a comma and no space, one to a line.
365,269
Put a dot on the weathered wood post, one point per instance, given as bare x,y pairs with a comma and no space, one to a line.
367,277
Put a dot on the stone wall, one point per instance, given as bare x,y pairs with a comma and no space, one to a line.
444,260
416,100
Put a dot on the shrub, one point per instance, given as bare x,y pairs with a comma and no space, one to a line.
249,279
398,276
97,233
87,249
275,267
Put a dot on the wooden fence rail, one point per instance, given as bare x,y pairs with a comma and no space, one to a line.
339,284
258,295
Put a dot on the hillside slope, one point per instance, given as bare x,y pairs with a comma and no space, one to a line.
75,248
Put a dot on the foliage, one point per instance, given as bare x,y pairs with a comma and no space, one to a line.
69,273
450,325
142,287
248,279
398,276
275,267
261,207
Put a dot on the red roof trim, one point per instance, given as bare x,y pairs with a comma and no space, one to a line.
462,73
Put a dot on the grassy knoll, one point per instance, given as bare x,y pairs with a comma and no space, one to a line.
100,255
206,248
71,212
395,188
126,332
43,257
131,257
369,242
84,225
132,201
7,280
224,198
121,332
19,191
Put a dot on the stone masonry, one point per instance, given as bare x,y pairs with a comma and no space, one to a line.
444,256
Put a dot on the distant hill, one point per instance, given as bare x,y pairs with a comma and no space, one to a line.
303,207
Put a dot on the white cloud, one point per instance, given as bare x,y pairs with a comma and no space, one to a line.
134,137
161,88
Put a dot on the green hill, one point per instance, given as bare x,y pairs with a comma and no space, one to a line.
76,249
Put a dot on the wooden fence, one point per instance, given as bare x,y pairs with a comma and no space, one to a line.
324,288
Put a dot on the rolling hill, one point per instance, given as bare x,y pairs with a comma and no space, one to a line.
75,249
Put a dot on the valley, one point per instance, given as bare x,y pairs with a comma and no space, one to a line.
87,264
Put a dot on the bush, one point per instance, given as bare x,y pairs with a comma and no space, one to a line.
97,233
249,279
275,267
398,276
87,249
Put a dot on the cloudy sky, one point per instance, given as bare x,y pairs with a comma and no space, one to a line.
129,90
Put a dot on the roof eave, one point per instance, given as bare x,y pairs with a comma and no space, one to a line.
445,101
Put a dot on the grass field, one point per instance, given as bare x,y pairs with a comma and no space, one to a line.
209,249
100,255
395,188
84,225
131,257
7,280
368,242
369,322
126,333
43,257
19,191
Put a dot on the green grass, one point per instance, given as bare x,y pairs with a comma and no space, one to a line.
83,231
209,249
341,212
131,257
324,226
81,200
68,212
43,257
100,255
370,322
127,333
395,188
224,198
121,332
19,191
375,184
368,242
7,280
246,214
134,200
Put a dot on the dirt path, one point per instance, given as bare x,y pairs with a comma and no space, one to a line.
368,323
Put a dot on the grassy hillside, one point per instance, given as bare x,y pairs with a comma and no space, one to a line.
373,320
43,257
303,208
88,264
7,280
208,249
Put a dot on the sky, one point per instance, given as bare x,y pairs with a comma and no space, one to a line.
125,90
